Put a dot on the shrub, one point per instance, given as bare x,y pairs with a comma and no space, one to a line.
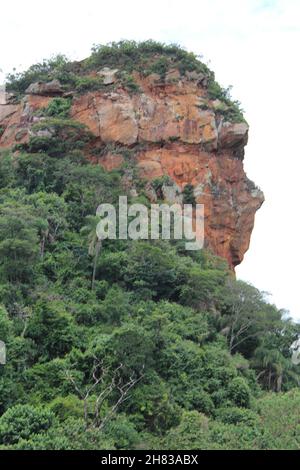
188,194
191,433
239,392
233,415
84,84
66,407
200,401
42,72
160,66
21,421
129,83
58,107
122,433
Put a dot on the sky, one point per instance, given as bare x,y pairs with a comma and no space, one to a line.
252,45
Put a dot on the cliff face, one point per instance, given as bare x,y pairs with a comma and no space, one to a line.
171,127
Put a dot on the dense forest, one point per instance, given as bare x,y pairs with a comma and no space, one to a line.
125,344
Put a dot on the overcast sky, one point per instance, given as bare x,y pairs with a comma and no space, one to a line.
250,44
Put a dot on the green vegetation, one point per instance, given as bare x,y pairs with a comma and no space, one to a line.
231,110
132,55
56,136
145,57
84,84
59,108
125,345
188,194
57,67
120,344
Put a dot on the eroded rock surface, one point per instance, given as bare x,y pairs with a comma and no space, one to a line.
172,128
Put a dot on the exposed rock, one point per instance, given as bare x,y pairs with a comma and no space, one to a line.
199,77
233,134
133,192
110,161
47,133
7,110
172,193
172,76
220,184
219,105
150,193
173,129
2,95
21,134
117,121
52,88
153,79
109,75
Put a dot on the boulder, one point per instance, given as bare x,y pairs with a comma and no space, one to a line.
53,88
7,110
109,75
233,134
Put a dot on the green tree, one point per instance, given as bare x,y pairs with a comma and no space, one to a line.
52,329
18,243
51,210
22,421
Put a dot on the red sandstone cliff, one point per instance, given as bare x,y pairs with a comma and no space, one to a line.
172,128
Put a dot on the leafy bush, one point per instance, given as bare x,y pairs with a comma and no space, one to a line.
239,392
84,84
234,415
188,194
41,72
59,108
22,421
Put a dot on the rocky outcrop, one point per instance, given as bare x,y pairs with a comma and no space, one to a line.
108,75
52,88
171,127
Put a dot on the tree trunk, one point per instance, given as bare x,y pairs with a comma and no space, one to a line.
270,380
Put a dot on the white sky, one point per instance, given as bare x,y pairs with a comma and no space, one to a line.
251,44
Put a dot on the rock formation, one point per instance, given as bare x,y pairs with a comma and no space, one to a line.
171,126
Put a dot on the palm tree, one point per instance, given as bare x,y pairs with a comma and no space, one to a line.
94,243
273,368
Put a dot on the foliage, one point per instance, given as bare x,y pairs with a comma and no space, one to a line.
58,107
188,194
21,421
125,345
145,57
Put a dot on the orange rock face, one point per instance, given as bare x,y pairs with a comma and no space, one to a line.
230,199
173,129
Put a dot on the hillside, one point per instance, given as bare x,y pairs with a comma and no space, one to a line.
156,110
133,344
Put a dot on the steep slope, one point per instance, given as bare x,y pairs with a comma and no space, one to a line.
132,344
164,112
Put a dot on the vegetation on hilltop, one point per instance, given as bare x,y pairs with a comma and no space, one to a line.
145,57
